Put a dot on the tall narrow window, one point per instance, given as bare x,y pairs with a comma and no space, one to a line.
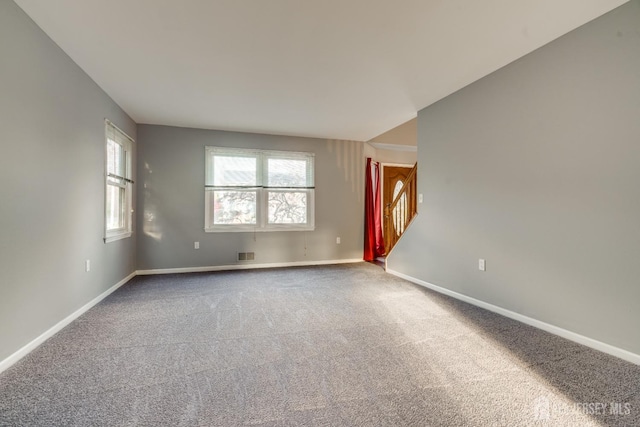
258,190
118,183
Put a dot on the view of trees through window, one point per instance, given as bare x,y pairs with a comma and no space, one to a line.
255,188
287,207
234,207
234,204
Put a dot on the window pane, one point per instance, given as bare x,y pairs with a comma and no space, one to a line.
287,173
234,207
115,158
115,207
234,171
287,207
118,149
399,213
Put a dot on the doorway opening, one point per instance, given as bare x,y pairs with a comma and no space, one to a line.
398,201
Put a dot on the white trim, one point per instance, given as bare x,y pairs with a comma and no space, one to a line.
107,121
393,147
22,352
9,361
119,236
572,336
251,228
260,187
126,142
244,266
397,165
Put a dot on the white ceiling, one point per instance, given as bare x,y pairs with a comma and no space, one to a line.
343,69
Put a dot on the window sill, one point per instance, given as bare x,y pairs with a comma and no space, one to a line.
120,236
243,229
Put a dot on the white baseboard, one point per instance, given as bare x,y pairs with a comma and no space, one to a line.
9,361
12,359
244,266
580,339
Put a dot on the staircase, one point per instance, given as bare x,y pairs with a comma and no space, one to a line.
401,211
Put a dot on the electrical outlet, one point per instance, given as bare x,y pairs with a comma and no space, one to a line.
337,240
87,265
482,265
196,245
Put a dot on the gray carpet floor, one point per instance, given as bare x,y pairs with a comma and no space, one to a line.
344,345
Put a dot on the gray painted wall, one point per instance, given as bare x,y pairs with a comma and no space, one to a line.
536,168
171,168
52,194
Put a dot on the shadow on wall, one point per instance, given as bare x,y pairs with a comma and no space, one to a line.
163,214
349,158
150,225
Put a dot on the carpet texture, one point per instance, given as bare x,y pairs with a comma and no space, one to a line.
344,345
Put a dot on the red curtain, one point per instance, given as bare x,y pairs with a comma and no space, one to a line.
373,241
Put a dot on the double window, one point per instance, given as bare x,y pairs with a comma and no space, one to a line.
118,194
258,190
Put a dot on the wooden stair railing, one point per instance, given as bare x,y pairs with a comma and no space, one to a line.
400,212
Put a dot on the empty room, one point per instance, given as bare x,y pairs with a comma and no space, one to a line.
319,213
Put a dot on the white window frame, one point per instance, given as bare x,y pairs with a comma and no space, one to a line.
112,132
262,190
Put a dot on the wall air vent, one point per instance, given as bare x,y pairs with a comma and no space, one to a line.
246,256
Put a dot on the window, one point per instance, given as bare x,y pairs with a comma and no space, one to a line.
118,184
257,190
399,213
